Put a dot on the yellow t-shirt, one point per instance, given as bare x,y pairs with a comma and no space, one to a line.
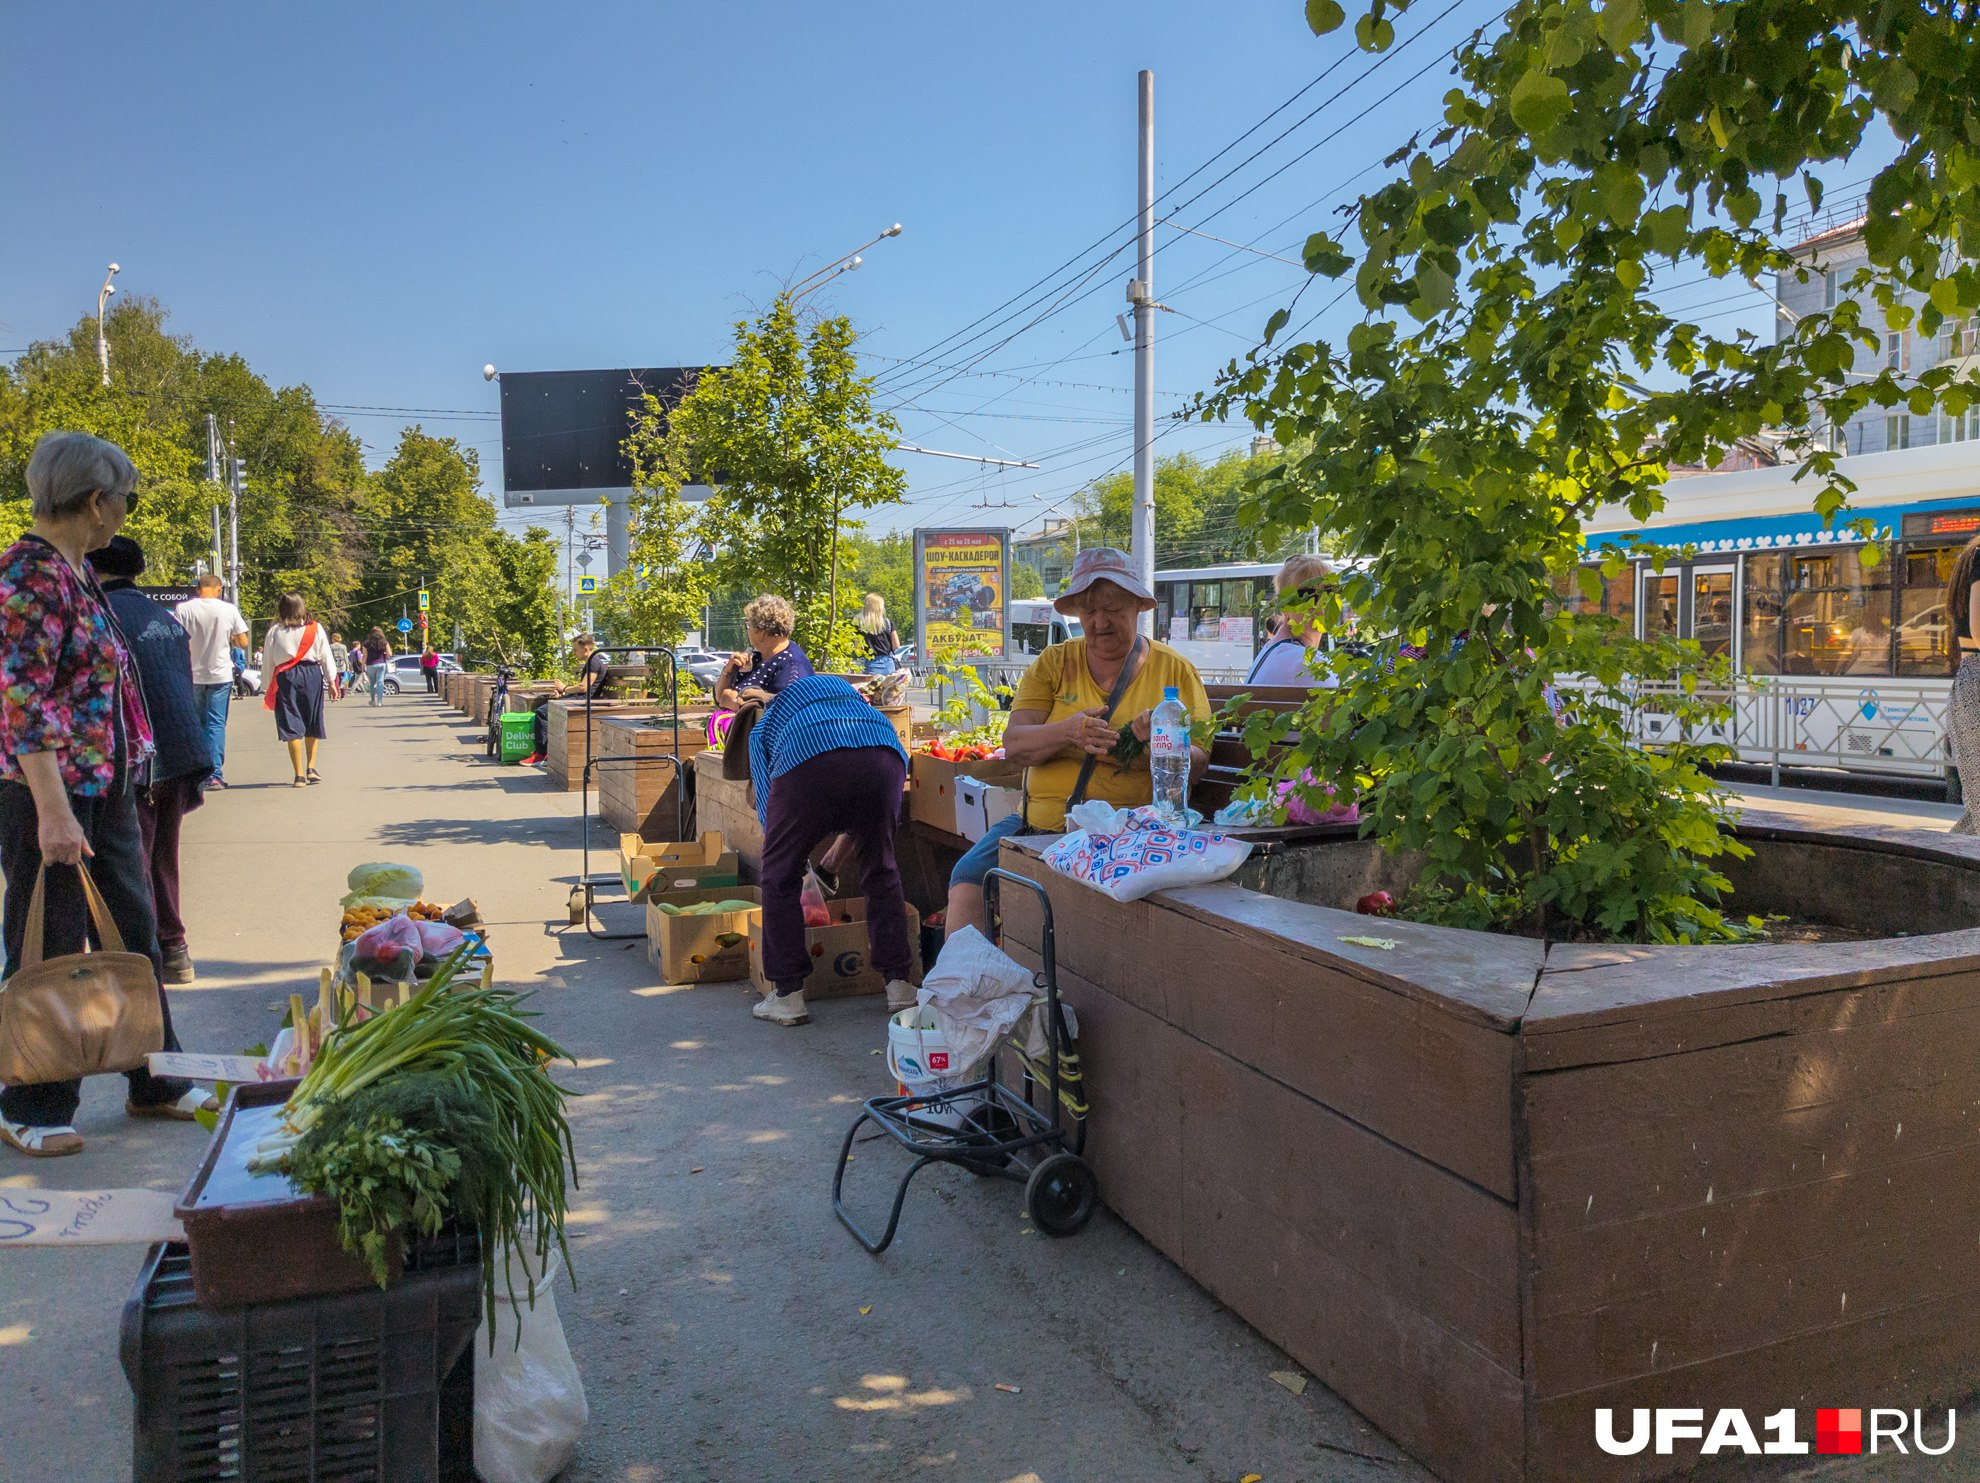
1059,683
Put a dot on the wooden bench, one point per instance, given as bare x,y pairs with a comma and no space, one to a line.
1230,759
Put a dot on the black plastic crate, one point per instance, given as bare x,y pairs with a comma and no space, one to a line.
364,1387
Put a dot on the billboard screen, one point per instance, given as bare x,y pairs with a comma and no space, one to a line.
564,431
961,579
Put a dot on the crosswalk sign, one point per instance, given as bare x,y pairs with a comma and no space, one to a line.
587,586
424,600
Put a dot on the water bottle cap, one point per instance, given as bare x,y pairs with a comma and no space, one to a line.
1171,692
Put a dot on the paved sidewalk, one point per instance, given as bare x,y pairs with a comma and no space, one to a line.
717,1322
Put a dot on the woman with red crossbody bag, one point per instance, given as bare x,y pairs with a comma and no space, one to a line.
302,670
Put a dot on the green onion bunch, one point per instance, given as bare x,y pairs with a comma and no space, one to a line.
502,1115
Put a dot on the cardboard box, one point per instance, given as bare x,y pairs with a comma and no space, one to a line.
932,791
713,948
980,804
648,865
839,967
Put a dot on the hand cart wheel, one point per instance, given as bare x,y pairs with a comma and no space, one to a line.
1062,1194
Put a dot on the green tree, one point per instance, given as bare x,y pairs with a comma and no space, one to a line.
1517,372
882,564
1197,515
526,610
789,431
1026,582
427,525
298,528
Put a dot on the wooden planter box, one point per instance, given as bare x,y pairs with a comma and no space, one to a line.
639,797
1482,1188
452,686
568,745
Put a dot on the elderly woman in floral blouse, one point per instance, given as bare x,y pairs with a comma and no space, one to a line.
75,744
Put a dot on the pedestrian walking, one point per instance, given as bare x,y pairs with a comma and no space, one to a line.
215,629
429,666
74,737
301,669
377,654
882,639
1963,712
824,762
162,651
353,663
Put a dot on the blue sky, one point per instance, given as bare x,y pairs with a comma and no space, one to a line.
377,199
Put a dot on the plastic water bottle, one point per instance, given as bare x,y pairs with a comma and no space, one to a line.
1168,755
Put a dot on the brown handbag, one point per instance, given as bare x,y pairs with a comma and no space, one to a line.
80,1014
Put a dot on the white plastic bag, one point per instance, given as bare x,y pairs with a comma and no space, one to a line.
529,1405
1127,853
977,993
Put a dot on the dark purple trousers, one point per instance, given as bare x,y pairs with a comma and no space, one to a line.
160,812
856,791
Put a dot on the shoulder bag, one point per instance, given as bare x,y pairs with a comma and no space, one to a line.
80,1014
1129,670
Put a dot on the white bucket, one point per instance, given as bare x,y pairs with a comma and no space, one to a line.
917,1055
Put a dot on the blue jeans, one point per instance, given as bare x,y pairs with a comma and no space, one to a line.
213,703
376,673
982,856
882,664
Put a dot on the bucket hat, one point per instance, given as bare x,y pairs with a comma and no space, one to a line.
1104,564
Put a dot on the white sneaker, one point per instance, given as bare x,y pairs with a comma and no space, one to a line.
900,995
782,1009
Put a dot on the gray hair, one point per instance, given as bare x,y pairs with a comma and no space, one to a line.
66,468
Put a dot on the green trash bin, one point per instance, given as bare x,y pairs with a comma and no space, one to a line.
518,735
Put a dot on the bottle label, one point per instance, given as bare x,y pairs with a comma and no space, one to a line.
1168,741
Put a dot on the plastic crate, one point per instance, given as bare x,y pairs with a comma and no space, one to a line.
363,1387
518,735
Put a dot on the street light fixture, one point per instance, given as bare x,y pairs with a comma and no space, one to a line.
851,262
102,343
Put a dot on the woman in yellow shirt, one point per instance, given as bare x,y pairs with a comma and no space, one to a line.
1059,718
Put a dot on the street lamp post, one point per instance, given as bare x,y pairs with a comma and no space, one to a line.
102,341
847,264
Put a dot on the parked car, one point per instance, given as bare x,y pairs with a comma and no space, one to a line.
402,670
704,664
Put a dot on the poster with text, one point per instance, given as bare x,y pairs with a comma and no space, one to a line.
960,581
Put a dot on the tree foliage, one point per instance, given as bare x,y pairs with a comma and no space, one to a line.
1198,510
1516,373
312,518
789,434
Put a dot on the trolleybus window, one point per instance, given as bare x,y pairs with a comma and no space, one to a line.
1660,603
1760,649
1836,616
1924,639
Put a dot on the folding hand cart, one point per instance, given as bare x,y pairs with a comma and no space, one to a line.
585,893
991,1129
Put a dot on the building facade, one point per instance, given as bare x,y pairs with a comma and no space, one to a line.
1832,258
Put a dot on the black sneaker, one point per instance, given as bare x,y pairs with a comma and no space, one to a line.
178,966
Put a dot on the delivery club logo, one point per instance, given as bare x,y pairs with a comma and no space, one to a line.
1839,1431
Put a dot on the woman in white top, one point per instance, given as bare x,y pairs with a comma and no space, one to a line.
1283,661
301,667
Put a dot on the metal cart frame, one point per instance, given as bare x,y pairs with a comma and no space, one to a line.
990,1129
584,895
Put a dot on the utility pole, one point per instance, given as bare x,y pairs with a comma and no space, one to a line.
219,567
1141,293
237,468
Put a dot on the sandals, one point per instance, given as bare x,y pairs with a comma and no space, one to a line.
182,1111
38,1142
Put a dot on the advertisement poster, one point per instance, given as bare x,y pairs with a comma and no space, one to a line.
960,579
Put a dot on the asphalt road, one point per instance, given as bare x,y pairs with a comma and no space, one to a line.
725,1325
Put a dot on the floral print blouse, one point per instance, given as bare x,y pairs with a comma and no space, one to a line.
67,684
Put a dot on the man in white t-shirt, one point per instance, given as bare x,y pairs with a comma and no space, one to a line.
215,626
